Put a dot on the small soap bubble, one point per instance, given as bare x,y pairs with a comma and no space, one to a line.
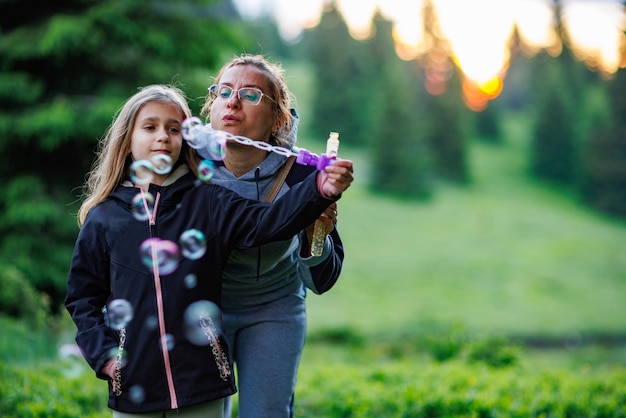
137,394
192,244
74,364
162,164
191,280
152,322
120,313
206,169
142,206
203,322
169,341
141,172
123,356
162,252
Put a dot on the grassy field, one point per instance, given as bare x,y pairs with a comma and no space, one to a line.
505,255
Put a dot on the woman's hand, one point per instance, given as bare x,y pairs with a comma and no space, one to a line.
336,178
328,218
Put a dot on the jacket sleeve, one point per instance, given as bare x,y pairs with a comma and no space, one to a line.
245,223
319,274
88,289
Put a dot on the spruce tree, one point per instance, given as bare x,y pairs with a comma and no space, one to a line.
399,153
447,134
604,185
558,133
66,69
343,83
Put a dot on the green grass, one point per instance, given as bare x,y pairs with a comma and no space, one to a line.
504,255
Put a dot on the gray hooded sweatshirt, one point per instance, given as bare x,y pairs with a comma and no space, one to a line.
263,274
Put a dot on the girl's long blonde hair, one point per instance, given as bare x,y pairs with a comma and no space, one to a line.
113,160
278,91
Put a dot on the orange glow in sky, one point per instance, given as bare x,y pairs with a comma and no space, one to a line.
478,31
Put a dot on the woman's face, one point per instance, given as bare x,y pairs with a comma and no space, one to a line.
239,117
157,132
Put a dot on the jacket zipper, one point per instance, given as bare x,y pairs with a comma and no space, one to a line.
159,300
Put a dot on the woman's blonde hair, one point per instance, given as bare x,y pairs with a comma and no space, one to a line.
113,160
282,122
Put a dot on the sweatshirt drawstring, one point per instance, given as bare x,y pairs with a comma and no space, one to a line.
257,173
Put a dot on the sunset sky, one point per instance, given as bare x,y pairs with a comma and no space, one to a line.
478,31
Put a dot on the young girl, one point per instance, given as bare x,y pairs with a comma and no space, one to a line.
145,278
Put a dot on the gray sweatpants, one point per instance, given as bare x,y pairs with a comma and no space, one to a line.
266,343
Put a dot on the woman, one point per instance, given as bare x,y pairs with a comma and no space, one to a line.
263,294
159,343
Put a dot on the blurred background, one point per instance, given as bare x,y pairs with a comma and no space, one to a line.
489,140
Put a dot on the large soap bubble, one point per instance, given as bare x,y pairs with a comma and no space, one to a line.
162,164
203,322
141,172
162,254
119,313
200,136
142,206
192,244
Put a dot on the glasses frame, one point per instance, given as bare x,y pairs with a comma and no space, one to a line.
213,92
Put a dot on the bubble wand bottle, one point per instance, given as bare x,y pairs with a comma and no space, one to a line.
319,229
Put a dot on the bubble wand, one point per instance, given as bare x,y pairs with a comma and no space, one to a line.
199,135
319,229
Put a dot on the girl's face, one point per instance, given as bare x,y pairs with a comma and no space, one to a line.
157,130
242,118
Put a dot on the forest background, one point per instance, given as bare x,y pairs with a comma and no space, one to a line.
494,236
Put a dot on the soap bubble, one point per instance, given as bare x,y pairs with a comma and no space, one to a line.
216,144
141,172
203,322
142,206
191,280
203,136
192,244
137,394
206,169
191,130
120,313
152,322
72,359
116,353
169,341
162,164
162,252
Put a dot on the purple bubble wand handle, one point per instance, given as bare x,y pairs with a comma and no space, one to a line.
320,162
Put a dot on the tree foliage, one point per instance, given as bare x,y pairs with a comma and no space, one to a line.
554,140
399,126
67,67
604,186
366,90
344,77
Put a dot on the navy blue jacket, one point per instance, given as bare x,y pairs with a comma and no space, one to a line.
107,265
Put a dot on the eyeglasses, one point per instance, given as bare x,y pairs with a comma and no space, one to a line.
250,95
